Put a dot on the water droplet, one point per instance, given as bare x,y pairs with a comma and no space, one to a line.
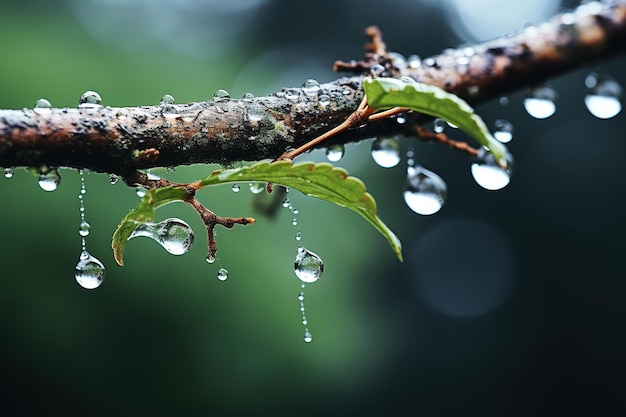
295,211
210,258
256,112
386,151
540,102
603,96
301,296
503,130
294,222
298,236
89,271
113,179
311,87
256,187
401,119
221,95
90,100
286,203
292,93
504,101
308,266
425,191
141,191
173,234
49,179
222,274
235,188
488,174
42,106
167,99
414,61
439,125
324,99
248,96
84,228
8,173
335,152
308,337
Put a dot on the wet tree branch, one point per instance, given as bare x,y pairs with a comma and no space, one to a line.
123,140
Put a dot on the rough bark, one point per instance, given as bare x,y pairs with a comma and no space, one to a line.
122,140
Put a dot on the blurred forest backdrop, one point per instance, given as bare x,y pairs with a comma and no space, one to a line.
508,303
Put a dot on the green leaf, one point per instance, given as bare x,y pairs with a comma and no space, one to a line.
384,93
144,212
317,180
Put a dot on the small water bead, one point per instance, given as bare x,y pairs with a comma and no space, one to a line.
439,125
308,266
311,87
386,151
414,61
89,271
173,234
425,191
323,99
90,100
286,203
222,274
503,130
84,228
210,258
113,179
298,236
42,106
335,152
488,174
256,187
603,96
141,191
294,222
167,99
235,188
308,337
295,211
248,96
49,179
221,95
8,173
504,101
540,102
292,93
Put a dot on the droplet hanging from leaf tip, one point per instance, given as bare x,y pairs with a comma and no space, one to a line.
173,234
489,174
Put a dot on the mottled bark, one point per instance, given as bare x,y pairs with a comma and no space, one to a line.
122,140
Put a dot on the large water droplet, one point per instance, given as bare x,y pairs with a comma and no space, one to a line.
603,96
308,266
503,130
84,228
221,95
90,100
89,271
308,337
222,274
167,99
488,174
439,125
425,191
540,102
256,187
311,87
8,173
49,179
386,151
235,188
42,106
173,234
335,152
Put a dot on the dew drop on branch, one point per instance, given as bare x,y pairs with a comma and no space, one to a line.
42,106
221,95
335,152
603,98
540,102
90,100
49,179
311,87
174,235
167,99
386,151
488,174
8,173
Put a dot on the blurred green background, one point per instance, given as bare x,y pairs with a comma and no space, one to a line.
508,303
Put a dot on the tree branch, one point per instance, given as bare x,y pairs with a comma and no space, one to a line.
223,130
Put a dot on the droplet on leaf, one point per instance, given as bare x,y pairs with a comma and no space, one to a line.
173,234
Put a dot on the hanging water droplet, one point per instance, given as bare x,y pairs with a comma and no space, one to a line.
141,191
488,174
386,151
210,258
256,187
503,130
113,179
401,119
308,337
167,99
295,211
335,152
540,102
603,95
298,236
89,271
222,274
311,87
84,228
8,173
90,100
308,266
248,96
49,179
425,191
294,222
221,95
256,112
504,101
235,188
173,234
286,203
439,125
42,106
301,296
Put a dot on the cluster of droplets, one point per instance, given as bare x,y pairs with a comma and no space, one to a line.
89,271
425,192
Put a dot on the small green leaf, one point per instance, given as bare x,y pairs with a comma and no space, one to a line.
383,93
144,212
322,181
